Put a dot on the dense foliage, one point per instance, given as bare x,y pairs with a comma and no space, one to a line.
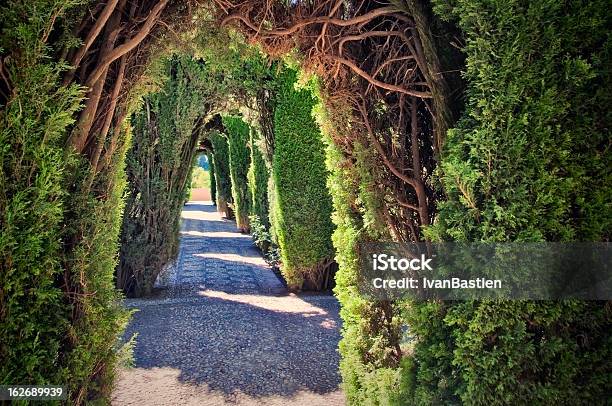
371,362
526,163
237,132
94,334
302,209
159,165
223,183
263,240
32,192
200,178
212,180
258,181
59,312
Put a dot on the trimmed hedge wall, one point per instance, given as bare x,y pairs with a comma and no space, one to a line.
213,184
159,166
223,183
530,154
237,132
258,181
60,316
371,330
302,202
32,190
526,163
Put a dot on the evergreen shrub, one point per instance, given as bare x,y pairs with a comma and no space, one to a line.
60,315
258,182
371,331
34,123
213,181
159,166
237,132
527,162
261,237
302,204
223,183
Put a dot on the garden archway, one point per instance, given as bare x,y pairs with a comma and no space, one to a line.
73,72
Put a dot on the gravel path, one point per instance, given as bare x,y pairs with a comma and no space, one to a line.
224,331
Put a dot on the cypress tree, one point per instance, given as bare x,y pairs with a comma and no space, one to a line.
237,132
223,183
525,163
159,165
302,204
213,184
258,181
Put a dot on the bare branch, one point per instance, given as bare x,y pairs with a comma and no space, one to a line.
129,45
91,37
376,82
381,151
314,20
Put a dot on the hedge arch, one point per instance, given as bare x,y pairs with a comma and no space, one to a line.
384,77
165,134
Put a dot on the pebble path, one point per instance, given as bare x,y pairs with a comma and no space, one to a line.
224,331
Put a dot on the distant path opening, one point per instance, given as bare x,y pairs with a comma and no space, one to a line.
200,193
223,330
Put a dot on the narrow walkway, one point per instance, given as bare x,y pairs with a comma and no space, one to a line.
224,331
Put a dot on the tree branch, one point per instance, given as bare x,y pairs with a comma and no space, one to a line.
129,45
370,34
378,83
109,115
91,37
314,20
381,151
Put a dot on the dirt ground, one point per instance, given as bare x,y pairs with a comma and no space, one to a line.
200,194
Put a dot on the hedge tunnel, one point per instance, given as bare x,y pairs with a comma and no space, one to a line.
328,124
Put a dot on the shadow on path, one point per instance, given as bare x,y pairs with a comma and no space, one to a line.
225,331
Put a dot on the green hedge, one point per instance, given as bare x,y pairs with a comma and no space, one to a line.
370,366
526,163
237,132
258,181
59,311
213,184
530,154
223,183
159,166
273,219
302,203
32,190
92,350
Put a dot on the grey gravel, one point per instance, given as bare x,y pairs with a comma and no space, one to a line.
222,329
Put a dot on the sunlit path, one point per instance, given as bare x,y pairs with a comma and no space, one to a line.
223,330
